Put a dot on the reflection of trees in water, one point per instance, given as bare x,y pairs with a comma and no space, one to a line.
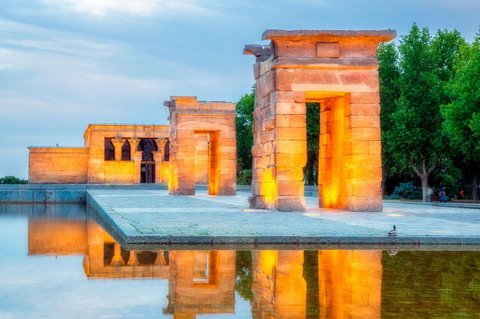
431,284
310,273
243,276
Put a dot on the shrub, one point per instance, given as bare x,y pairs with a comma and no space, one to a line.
406,191
12,180
245,177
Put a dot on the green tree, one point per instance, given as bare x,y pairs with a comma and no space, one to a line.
12,180
243,276
313,131
389,93
416,138
462,114
244,114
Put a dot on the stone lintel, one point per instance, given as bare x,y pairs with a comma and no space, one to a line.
382,35
325,63
190,104
261,52
198,112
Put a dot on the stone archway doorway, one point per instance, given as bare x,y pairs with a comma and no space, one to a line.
147,172
207,168
148,147
339,69
215,120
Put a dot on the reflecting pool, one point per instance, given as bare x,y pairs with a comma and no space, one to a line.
57,263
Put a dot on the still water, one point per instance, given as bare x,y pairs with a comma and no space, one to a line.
56,263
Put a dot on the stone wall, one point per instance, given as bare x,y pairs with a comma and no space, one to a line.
101,171
120,172
58,165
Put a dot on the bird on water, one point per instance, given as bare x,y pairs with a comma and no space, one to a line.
393,232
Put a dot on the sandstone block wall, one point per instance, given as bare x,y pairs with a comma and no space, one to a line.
88,165
120,172
339,70
58,165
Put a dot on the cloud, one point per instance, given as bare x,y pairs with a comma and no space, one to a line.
128,7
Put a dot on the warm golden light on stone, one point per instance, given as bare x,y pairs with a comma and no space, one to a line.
89,164
350,284
203,281
199,132
337,69
278,286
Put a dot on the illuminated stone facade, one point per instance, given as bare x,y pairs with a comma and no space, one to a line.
339,70
112,154
189,121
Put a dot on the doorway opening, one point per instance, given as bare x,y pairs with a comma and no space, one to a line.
206,160
147,167
147,172
310,171
332,147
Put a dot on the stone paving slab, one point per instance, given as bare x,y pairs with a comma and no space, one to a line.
154,217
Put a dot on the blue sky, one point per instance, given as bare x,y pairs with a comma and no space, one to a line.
67,63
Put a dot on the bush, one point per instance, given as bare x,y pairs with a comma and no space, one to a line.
245,177
406,191
12,180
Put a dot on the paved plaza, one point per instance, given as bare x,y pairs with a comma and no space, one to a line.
154,217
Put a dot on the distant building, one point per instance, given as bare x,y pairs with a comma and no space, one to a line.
116,154
203,151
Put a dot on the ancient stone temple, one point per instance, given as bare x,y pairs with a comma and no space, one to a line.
210,126
339,70
115,154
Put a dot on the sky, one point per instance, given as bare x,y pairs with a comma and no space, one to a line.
67,63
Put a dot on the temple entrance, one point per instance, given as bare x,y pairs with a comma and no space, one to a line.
147,172
203,146
339,70
148,147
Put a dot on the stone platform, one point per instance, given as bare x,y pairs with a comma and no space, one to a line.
139,218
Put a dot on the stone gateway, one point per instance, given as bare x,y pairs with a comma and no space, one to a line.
339,70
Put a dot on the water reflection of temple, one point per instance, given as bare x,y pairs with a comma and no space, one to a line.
201,282
285,284
324,284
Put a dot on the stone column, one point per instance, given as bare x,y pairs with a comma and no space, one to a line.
160,260
135,156
118,144
133,147
138,164
182,172
117,256
132,259
290,149
158,158
364,172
